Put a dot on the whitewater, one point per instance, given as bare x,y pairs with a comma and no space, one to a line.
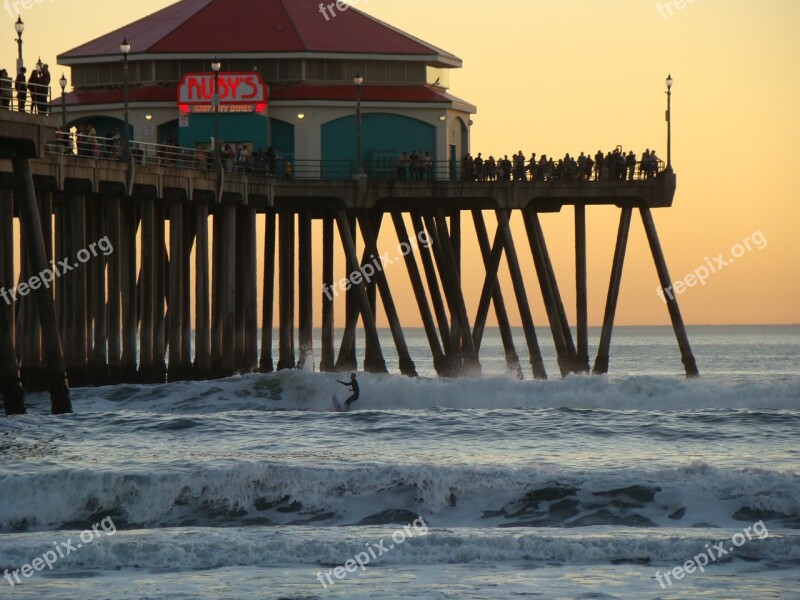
584,487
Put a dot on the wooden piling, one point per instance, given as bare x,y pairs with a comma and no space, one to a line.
96,269
129,226
601,361
407,366
268,301
326,363
503,323
31,223
10,379
522,298
286,359
228,292
425,253
549,293
687,357
79,374
159,371
202,365
113,306
419,293
582,295
175,290
377,362
147,285
306,306
250,290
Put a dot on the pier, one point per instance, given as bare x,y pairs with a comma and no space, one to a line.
134,314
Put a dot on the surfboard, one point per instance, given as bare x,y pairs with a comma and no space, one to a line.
336,406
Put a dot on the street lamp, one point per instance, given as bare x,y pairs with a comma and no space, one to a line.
358,80
63,83
125,48
669,123
19,26
216,66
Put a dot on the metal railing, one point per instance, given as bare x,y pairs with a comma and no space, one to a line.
82,146
25,97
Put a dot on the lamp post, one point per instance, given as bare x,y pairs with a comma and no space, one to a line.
125,48
63,83
216,66
358,80
19,26
669,123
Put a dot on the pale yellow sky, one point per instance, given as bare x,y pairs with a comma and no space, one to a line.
556,77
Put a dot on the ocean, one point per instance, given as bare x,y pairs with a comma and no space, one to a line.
637,485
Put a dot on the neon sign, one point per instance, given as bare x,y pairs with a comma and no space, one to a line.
238,93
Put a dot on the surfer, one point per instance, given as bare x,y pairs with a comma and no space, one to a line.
353,385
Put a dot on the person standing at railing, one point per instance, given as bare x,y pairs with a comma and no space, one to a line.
5,89
34,91
21,86
44,90
630,162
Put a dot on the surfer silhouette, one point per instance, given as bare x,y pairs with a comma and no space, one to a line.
353,385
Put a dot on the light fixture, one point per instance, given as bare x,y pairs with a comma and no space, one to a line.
358,79
216,65
63,82
301,116
443,118
149,117
19,26
669,82
125,47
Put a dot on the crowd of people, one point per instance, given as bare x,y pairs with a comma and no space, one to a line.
36,86
611,165
415,166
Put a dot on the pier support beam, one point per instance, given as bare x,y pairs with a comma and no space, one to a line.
228,292
377,363
147,290
419,293
672,303
582,294
113,307
601,362
202,307
425,253
266,364
407,366
522,298
175,291
559,326
250,290
31,223
286,359
326,363
489,257
129,224
306,306
10,380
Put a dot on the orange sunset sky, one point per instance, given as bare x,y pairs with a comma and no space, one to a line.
578,75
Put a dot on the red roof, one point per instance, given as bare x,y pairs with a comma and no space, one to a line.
218,27
344,93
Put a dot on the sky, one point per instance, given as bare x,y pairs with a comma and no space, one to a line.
579,75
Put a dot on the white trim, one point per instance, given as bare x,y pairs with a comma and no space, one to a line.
437,60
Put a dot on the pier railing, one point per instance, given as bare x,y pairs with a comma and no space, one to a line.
98,148
35,99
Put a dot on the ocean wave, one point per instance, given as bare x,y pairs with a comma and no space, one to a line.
483,496
304,391
199,548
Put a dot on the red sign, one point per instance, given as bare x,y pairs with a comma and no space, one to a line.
238,92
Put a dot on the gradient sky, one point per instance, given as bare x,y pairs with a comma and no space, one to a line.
556,77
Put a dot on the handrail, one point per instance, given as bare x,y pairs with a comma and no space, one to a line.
34,98
86,147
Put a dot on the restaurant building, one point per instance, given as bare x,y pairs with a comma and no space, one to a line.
287,80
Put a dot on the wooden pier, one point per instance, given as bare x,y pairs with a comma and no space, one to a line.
133,314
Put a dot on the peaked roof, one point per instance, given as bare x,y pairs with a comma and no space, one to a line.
257,27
